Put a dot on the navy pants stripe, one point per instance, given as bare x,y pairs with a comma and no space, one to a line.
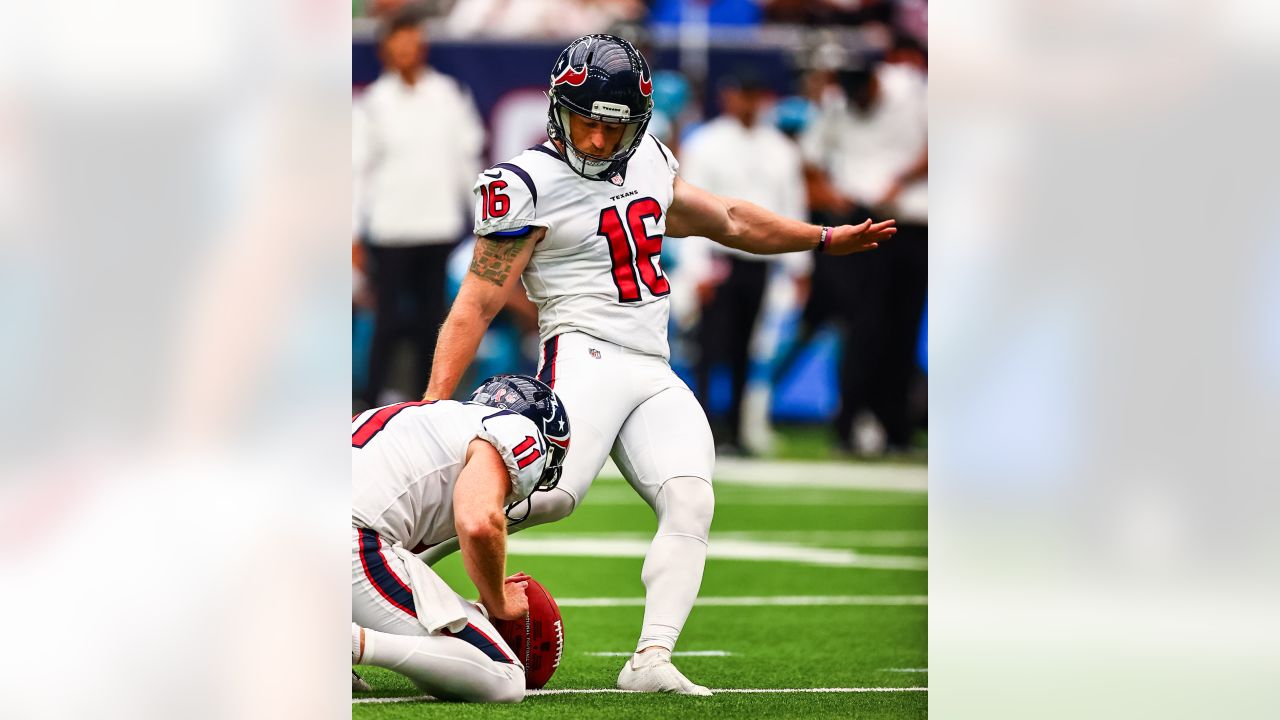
384,581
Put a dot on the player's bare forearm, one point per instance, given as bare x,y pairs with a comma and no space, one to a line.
746,226
456,346
484,555
480,522
496,265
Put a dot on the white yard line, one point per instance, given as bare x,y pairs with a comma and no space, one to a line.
828,538
854,538
750,550
615,691
910,670
800,497
825,475
677,653
764,600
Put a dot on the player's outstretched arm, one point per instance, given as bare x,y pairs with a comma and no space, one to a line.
495,269
481,524
743,225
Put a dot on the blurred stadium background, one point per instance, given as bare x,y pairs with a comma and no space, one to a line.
803,58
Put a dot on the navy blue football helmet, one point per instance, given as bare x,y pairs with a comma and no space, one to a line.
532,398
604,78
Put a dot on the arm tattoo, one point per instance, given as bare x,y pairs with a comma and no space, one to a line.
493,259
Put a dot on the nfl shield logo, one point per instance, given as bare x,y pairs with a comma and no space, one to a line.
594,353
616,179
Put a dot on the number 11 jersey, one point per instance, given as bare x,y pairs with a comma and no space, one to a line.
598,270
406,459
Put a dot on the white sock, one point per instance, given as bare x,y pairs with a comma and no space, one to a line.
357,644
656,655
673,566
445,667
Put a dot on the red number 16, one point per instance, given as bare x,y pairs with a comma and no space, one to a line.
494,203
648,249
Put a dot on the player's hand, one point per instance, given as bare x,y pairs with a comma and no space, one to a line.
515,603
847,239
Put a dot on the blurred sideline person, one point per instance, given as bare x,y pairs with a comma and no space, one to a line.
425,472
416,143
868,150
739,156
581,219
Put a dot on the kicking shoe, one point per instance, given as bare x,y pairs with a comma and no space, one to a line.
358,684
652,671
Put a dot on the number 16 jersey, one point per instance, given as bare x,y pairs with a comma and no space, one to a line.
598,270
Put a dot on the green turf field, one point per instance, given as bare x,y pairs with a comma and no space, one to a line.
858,555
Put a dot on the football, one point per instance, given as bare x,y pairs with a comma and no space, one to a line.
538,637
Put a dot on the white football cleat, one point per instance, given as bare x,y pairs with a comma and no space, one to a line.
653,672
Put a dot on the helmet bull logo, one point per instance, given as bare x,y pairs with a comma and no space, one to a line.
570,76
646,85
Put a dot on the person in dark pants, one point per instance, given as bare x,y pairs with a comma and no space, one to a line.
740,155
869,149
729,317
409,290
878,301
416,144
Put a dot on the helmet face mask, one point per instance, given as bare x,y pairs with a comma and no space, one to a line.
593,166
531,398
600,78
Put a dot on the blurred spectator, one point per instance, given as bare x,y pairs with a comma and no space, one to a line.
416,148
738,155
912,20
868,150
909,51
829,12
383,9
387,10
556,19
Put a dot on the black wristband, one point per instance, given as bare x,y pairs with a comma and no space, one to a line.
822,240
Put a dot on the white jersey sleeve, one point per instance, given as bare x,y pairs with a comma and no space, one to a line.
522,447
506,202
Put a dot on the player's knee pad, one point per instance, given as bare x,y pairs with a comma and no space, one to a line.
685,507
542,507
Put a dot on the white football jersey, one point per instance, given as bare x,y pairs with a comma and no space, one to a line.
406,458
598,270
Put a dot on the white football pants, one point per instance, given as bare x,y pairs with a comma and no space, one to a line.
634,406
474,664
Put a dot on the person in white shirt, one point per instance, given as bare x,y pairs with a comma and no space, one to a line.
738,155
871,141
416,144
